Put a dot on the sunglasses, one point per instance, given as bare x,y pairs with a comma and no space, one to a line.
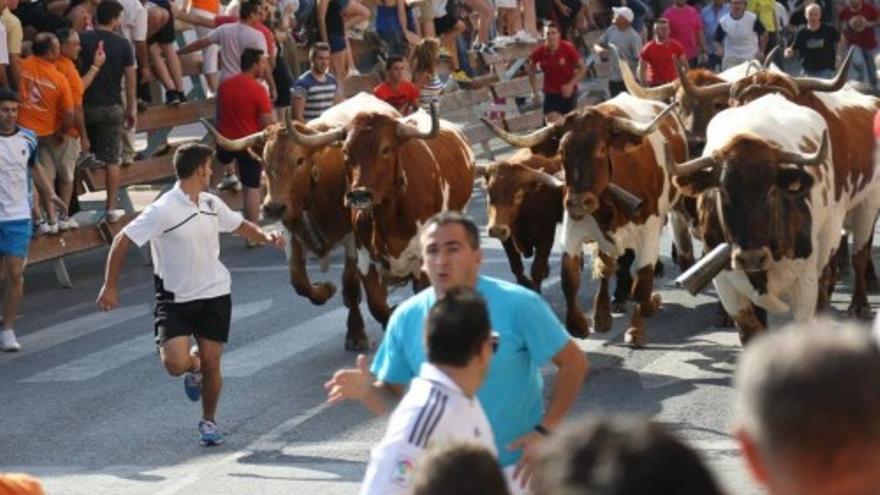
495,338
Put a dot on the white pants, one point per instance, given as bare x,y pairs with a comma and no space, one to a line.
513,485
210,55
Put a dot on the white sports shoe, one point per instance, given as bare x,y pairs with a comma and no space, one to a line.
9,342
67,224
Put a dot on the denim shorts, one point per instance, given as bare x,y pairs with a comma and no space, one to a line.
15,237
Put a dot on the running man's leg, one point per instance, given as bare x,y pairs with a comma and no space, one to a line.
13,267
210,352
176,357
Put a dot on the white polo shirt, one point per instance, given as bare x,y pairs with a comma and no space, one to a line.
134,20
433,410
185,243
17,154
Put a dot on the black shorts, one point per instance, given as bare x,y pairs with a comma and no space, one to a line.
249,169
559,104
166,35
445,24
205,318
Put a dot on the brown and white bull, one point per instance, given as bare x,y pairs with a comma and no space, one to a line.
610,151
306,191
770,166
398,176
849,116
524,206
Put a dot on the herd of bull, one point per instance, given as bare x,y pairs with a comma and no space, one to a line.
765,169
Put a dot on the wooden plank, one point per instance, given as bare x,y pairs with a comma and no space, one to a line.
526,121
508,53
147,171
109,230
457,100
516,87
364,82
48,247
164,116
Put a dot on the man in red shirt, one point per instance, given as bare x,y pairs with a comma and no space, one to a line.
858,20
657,59
397,91
243,108
562,67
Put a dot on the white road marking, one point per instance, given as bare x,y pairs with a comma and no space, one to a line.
68,330
116,356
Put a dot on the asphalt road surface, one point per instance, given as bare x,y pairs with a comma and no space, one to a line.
88,408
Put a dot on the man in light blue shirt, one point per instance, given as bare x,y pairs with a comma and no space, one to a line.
530,336
711,14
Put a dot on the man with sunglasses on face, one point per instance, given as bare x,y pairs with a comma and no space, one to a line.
530,337
441,404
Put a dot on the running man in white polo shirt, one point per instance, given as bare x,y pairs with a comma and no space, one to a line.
192,285
441,404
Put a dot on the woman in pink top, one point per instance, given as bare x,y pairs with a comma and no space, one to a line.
686,27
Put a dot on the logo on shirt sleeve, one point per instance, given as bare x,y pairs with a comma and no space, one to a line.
403,470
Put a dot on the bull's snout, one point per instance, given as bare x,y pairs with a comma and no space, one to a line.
580,205
359,198
273,210
499,231
751,260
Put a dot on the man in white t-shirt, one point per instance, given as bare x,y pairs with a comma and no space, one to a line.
192,285
441,404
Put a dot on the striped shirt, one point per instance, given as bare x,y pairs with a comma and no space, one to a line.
319,95
18,152
430,92
433,410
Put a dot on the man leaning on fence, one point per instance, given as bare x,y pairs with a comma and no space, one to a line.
105,116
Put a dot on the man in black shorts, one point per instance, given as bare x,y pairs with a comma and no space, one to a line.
167,69
192,285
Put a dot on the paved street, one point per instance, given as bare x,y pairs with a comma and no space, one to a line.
87,407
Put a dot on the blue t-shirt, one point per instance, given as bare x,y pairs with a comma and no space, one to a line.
319,95
512,393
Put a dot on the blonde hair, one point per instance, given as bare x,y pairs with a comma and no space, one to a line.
425,55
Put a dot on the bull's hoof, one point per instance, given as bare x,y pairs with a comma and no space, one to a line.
577,324
635,337
684,262
357,344
618,306
873,284
651,306
602,321
659,269
862,311
322,292
527,283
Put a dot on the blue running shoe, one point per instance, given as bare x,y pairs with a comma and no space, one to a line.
210,433
192,385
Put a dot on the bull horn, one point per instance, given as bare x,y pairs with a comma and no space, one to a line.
405,130
640,129
522,141
828,85
628,202
659,93
239,144
700,92
807,159
770,56
549,180
681,169
311,140
708,267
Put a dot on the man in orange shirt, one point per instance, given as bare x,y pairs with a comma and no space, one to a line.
47,109
79,145
19,484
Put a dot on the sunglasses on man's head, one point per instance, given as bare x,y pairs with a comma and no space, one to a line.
495,338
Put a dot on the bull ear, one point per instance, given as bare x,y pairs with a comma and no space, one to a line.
694,184
794,182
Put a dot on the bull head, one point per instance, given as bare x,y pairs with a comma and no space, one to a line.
587,147
312,140
761,200
372,152
507,185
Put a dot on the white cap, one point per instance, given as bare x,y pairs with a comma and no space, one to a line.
624,12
